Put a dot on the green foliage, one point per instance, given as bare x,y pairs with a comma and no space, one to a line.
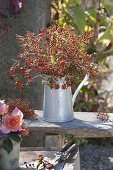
7,145
87,15
15,137
72,139
78,17
70,13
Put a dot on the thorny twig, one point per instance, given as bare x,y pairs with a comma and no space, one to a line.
103,116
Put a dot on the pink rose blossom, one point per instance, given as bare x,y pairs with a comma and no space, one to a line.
3,108
13,122
3,129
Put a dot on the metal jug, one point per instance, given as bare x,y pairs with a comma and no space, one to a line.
58,103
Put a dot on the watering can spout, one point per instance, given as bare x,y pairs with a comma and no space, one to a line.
79,87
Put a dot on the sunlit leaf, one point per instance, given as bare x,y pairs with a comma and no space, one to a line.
88,28
92,12
78,17
106,35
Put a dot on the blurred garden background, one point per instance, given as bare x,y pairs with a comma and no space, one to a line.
20,16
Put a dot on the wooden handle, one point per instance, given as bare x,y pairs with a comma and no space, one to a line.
65,147
71,149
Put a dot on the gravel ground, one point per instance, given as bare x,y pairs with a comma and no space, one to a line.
96,157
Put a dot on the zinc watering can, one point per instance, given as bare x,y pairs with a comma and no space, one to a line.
58,103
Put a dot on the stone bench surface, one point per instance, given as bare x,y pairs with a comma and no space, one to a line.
85,125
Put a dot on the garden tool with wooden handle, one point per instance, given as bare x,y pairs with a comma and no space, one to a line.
61,160
44,164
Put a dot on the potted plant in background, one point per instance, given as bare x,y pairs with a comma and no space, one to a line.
12,127
59,56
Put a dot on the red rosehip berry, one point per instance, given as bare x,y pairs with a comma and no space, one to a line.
27,75
20,84
11,72
64,86
30,80
22,70
62,63
42,30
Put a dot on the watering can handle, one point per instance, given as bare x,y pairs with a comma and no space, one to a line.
79,87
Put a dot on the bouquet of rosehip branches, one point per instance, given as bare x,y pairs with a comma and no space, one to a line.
53,53
12,126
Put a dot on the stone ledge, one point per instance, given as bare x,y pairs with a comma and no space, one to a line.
85,125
